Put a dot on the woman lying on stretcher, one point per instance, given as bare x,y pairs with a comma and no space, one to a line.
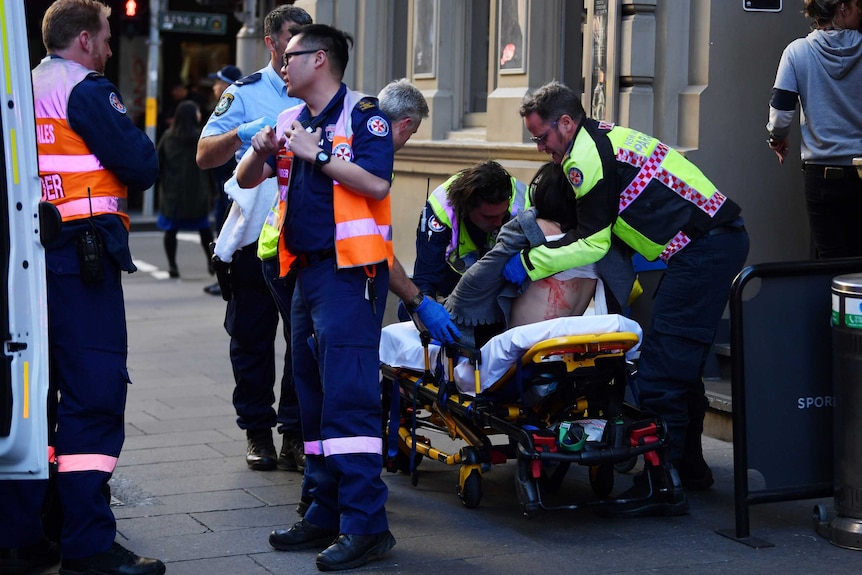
483,303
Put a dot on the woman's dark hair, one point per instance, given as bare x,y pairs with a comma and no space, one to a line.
186,126
552,195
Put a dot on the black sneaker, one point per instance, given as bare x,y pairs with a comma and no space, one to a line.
292,454
261,451
115,561
213,289
22,560
656,492
351,551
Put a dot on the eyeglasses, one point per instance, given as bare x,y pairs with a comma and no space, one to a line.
541,139
288,55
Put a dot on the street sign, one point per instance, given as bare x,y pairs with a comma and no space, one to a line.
194,22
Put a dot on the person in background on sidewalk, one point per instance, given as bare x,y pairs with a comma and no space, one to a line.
90,154
341,280
633,186
251,317
225,77
184,189
818,72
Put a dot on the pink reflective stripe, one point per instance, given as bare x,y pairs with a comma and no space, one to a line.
312,447
357,228
649,166
58,163
348,445
86,462
650,169
84,206
385,231
678,242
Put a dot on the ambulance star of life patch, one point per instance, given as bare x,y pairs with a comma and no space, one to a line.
576,177
377,126
223,104
116,103
434,224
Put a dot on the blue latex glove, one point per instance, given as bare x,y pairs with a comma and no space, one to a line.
249,129
515,271
436,320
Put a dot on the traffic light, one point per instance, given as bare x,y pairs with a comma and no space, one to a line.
135,17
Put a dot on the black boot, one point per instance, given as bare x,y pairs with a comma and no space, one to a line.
261,451
29,559
292,454
351,551
657,491
694,472
303,535
115,561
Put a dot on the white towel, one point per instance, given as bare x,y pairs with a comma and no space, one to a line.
245,217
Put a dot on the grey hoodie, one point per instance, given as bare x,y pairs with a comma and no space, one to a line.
824,70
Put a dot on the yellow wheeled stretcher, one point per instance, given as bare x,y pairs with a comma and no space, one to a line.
555,389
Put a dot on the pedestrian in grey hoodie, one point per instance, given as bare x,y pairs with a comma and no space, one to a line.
823,73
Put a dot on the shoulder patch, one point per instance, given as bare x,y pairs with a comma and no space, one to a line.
250,79
223,104
378,125
367,103
434,224
116,103
576,177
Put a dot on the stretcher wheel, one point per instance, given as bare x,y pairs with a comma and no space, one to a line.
470,492
820,513
602,479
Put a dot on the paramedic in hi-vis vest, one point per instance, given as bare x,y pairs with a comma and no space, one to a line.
632,186
459,225
90,155
333,156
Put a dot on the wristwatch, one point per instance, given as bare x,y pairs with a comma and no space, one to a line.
415,302
321,159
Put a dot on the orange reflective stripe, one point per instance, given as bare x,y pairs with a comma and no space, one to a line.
86,462
53,134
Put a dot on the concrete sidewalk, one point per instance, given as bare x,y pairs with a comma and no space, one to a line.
186,496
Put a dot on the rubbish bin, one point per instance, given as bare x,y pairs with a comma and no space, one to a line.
845,530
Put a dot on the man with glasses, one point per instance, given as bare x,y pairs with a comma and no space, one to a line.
333,157
251,317
634,187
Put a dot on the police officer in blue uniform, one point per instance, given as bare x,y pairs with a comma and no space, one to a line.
252,312
340,180
90,155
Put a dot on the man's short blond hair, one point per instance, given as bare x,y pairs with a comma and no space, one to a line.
65,19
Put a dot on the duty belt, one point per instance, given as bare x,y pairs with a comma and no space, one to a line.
302,261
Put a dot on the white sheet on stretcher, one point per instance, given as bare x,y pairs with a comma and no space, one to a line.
400,345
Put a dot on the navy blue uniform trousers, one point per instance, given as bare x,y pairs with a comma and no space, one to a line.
88,350
251,320
688,305
336,337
